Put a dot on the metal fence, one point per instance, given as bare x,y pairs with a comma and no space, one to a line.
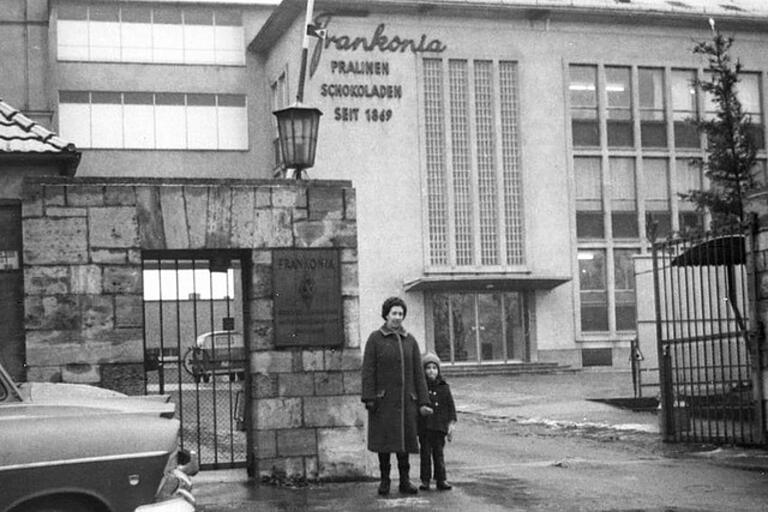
701,287
194,348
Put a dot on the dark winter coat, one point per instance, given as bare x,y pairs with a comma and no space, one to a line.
442,404
393,381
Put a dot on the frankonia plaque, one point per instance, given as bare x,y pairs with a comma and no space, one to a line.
307,297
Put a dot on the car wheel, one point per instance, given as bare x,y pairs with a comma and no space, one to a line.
60,504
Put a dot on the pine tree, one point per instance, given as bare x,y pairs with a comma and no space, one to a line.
730,149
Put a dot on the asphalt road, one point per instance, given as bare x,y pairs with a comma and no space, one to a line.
500,465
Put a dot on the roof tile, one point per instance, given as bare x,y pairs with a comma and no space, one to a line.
19,134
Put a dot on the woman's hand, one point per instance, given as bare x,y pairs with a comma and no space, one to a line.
425,410
451,426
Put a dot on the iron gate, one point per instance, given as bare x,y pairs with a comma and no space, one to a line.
195,348
701,287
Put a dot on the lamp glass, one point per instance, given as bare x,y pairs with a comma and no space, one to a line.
297,128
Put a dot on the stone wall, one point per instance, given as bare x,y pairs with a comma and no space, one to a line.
83,241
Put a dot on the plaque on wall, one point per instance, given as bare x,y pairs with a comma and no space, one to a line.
307,297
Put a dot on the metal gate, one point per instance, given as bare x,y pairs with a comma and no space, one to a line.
195,348
701,287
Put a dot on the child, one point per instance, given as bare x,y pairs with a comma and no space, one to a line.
434,429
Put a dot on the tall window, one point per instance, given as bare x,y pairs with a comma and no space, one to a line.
748,90
653,126
142,120
624,222
589,198
583,96
474,195
593,290
163,35
685,108
619,107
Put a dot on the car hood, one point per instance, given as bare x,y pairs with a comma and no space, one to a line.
48,399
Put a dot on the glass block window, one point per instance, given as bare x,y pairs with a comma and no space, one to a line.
162,35
145,120
474,196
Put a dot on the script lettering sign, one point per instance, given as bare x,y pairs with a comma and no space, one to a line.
307,297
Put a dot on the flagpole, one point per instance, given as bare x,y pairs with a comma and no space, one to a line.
304,51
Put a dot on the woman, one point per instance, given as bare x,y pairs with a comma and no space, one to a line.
394,393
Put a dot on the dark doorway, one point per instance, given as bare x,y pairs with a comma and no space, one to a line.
12,345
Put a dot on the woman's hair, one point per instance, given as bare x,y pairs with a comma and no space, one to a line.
390,303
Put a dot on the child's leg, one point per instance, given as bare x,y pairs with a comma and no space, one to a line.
438,443
425,452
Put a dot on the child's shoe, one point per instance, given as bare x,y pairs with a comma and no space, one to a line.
443,486
424,485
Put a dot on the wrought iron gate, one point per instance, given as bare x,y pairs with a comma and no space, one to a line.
195,348
701,287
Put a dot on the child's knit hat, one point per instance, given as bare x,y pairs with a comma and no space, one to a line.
430,357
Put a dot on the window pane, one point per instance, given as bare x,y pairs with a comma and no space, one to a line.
75,121
139,123
229,18
104,40
233,128
624,276
656,179
464,327
517,343
441,326
462,161
199,44
490,327
619,93
135,14
168,43
590,225
107,122
589,181
170,121
594,300
72,12
653,126
72,40
230,45
102,12
624,224
201,126
583,95
623,188
486,162
436,200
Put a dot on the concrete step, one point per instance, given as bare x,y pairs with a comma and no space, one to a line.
472,370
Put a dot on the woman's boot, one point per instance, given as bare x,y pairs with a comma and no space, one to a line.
406,487
384,468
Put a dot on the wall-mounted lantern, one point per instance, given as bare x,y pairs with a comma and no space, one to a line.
297,131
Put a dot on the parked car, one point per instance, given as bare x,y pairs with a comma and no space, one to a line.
216,353
90,452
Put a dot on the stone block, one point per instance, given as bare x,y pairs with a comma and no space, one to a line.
243,204
353,384
81,373
85,195
261,310
325,233
85,279
196,203
174,217
328,383
263,197
333,359
264,386
281,469
310,467
122,279
262,282
312,360
119,195
32,205
57,347
65,211
149,217
349,279
286,196
349,255
262,335
113,227
126,378
54,195
291,443
97,316
110,256
325,203
352,359
46,280
351,306
134,256
270,361
262,257
266,444
219,217
129,311
51,241
44,374
341,453
52,312
274,413
295,384
272,228
333,411
350,204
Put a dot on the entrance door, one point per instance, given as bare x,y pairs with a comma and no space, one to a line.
12,347
480,327
195,348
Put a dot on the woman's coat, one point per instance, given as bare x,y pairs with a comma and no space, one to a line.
393,380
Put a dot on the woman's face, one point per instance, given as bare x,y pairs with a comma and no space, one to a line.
395,317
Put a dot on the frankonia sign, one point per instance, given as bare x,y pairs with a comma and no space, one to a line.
378,41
